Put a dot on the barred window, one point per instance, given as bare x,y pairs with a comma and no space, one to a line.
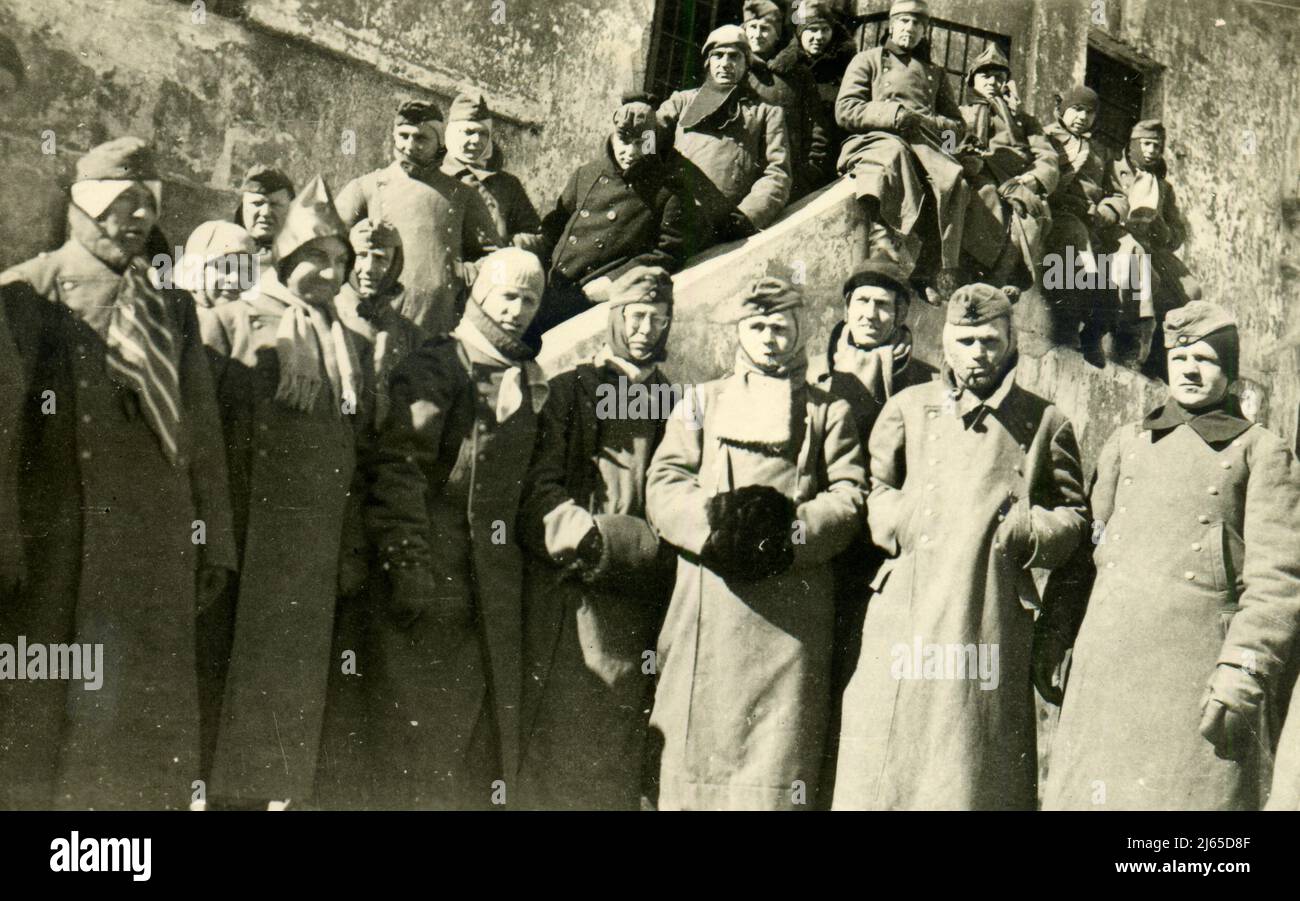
680,29
1121,88
952,46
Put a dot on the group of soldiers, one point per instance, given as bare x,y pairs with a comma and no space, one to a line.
344,543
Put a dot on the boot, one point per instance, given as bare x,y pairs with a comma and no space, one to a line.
946,282
883,241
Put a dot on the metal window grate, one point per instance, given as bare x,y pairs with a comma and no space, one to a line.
680,29
1120,88
952,46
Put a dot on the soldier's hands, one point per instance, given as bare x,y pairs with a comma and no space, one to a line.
210,584
1231,713
1050,663
906,120
1015,533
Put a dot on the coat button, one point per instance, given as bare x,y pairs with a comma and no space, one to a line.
925,539
1203,519
85,455
1123,509
929,486
931,414
1212,490
1110,564
83,383
85,417
1114,538
1196,545
1128,480
612,215
929,512
934,461
1189,576
573,239
1226,464
583,213
261,452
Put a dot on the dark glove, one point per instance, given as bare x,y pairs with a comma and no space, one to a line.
750,534
1050,661
415,592
1015,533
587,555
210,584
738,227
1232,713
629,556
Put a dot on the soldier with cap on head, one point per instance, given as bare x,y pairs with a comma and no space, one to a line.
444,224
824,46
122,502
1012,167
622,210
904,124
758,484
975,481
264,197
734,149
476,160
1193,602
598,577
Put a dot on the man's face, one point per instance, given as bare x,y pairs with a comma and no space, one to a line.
768,340
415,146
990,83
511,307
762,35
318,271
627,153
816,39
469,141
1150,150
872,315
370,267
643,325
907,30
263,214
1078,119
975,352
1196,379
727,65
130,218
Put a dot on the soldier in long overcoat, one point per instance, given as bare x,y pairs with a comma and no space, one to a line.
598,576
291,382
974,482
1179,673
476,160
1012,168
823,46
444,224
446,643
733,149
758,484
122,505
904,124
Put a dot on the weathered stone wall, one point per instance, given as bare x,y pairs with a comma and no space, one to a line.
289,84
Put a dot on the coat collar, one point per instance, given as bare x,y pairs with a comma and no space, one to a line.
1224,423
970,407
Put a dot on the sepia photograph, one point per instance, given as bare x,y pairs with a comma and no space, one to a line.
592,406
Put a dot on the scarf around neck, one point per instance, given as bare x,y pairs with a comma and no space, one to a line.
709,99
478,331
1222,422
636,373
313,351
874,367
763,408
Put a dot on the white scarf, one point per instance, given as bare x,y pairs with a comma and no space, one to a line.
511,396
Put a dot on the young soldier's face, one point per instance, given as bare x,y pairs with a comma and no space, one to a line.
643,325
415,146
768,340
1151,150
975,352
1078,119
627,153
816,39
221,278
371,266
907,30
727,65
469,140
129,219
990,83
263,214
1196,379
318,270
511,307
762,36
872,315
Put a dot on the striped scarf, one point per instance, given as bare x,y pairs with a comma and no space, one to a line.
144,355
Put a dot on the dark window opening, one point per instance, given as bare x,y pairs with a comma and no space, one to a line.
680,29
952,46
1120,88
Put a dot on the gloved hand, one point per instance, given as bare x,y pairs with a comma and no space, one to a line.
1232,713
1050,660
587,555
1104,216
750,533
415,592
1019,195
1015,532
210,584
738,227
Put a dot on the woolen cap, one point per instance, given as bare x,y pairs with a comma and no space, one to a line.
366,234
727,36
1201,320
469,106
765,296
881,273
814,12
909,7
311,216
978,304
990,58
642,284
417,112
510,267
634,116
1149,128
1079,95
762,9
263,179
123,159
